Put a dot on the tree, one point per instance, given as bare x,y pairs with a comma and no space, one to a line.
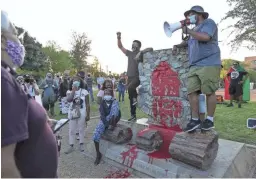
80,50
95,67
35,59
244,12
59,60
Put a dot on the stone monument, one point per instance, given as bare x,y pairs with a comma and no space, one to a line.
157,146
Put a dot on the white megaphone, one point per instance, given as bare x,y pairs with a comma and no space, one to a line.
170,28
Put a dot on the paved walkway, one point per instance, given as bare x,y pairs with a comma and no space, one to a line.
81,165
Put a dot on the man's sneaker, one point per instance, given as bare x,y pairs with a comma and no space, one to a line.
133,118
192,125
81,147
239,105
134,101
70,149
207,125
230,105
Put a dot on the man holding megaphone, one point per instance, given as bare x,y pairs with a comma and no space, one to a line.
132,73
205,65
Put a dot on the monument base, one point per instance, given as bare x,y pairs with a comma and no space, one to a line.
234,159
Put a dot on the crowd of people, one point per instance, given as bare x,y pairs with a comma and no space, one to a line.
28,144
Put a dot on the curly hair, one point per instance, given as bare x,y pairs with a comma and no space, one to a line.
104,87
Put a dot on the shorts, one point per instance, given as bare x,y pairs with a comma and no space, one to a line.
204,79
236,90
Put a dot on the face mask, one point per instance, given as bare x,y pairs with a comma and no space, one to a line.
107,97
76,84
134,48
192,19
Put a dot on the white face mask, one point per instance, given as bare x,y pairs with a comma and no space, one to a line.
107,97
192,19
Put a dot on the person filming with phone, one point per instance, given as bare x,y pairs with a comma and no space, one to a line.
31,85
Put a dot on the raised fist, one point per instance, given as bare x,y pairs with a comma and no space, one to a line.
118,35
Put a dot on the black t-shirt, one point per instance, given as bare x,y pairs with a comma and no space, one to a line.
236,76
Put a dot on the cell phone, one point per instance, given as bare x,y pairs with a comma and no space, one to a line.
251,123
58,124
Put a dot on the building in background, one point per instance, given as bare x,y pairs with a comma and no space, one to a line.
250,62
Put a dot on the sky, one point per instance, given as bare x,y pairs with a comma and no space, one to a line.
101,19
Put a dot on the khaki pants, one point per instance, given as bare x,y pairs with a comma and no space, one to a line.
77,125
204,79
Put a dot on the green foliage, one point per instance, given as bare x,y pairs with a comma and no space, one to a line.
252,75
80,50
59,60
244,12
35,59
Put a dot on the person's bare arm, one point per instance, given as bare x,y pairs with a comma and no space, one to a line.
199,36
99,100
87,107
119,43
8,165
70,97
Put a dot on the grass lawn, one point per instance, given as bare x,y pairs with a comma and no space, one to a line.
229,122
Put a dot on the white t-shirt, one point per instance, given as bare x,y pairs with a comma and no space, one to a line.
100,93
79,93
31,89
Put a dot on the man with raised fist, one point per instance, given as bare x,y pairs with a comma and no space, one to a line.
132,73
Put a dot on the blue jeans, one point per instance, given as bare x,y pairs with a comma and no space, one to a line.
121,93
91,93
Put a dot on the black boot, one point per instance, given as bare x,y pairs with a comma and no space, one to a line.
98,157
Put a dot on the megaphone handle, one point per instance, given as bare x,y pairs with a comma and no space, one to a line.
186,37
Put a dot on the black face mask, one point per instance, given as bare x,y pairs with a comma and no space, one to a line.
134,48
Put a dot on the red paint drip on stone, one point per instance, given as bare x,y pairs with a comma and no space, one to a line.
167,135
130,155
166,109
165,81
119,174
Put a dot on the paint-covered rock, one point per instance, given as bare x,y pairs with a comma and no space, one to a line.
163,88
150,140
120,135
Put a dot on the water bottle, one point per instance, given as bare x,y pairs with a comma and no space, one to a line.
202,104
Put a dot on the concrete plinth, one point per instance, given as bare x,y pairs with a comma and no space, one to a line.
233,160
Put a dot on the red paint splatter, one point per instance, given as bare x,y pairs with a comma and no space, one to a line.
165,81
167,135
130,155
166,109
119,174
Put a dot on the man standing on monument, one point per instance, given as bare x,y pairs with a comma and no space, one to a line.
205,65
132,73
